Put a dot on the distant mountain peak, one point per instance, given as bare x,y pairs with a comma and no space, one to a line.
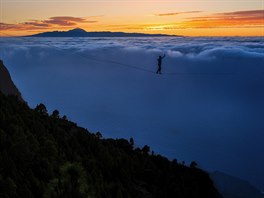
77,30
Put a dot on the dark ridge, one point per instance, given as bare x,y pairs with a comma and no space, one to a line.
78,32
6,84
46,155
233,187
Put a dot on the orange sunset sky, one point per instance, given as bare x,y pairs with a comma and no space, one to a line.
176,17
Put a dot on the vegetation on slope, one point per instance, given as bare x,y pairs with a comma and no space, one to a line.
44,155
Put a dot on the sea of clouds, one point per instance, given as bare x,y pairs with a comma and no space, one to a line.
208,106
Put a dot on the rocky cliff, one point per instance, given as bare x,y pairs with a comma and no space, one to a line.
6,84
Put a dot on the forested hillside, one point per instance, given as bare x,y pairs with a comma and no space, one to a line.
45,155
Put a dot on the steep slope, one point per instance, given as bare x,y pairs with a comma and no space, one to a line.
6,84
232,187
45,155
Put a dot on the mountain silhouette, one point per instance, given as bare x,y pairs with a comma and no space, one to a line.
78,32
233,187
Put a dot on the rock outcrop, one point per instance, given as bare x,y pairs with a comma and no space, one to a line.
6,84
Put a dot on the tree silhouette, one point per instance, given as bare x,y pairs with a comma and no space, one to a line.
55,114
64,117
132,142
146,149
41,108
98,135
193,164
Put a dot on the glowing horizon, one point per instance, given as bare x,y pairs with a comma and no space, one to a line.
186,18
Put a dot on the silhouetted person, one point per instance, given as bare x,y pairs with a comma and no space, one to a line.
159,64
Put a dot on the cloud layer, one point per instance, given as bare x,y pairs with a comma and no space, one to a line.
250,18
207,106
177,13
